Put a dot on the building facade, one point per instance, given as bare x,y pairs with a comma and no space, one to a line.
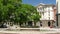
58,12
48,14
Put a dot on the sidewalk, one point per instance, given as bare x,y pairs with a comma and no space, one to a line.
27,32
41,28
56,31
47,28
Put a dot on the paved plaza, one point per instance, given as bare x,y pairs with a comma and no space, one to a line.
54,31
27,32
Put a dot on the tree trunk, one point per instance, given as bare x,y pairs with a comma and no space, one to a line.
19,24
34,23
25,23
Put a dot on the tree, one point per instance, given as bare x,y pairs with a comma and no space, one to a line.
8,8
36,17
15,11
29,13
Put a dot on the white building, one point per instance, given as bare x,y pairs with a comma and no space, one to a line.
47,13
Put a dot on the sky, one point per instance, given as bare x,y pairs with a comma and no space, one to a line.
36,2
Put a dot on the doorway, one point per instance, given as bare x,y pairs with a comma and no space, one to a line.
49,23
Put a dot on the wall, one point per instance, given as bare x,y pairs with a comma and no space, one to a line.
58,12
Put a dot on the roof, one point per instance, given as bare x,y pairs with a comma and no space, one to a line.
42,4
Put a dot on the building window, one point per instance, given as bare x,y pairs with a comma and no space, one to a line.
40,9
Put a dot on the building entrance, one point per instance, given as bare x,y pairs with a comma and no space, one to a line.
49,23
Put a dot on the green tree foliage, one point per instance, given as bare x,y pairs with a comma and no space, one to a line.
29,13
14,10
8,9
